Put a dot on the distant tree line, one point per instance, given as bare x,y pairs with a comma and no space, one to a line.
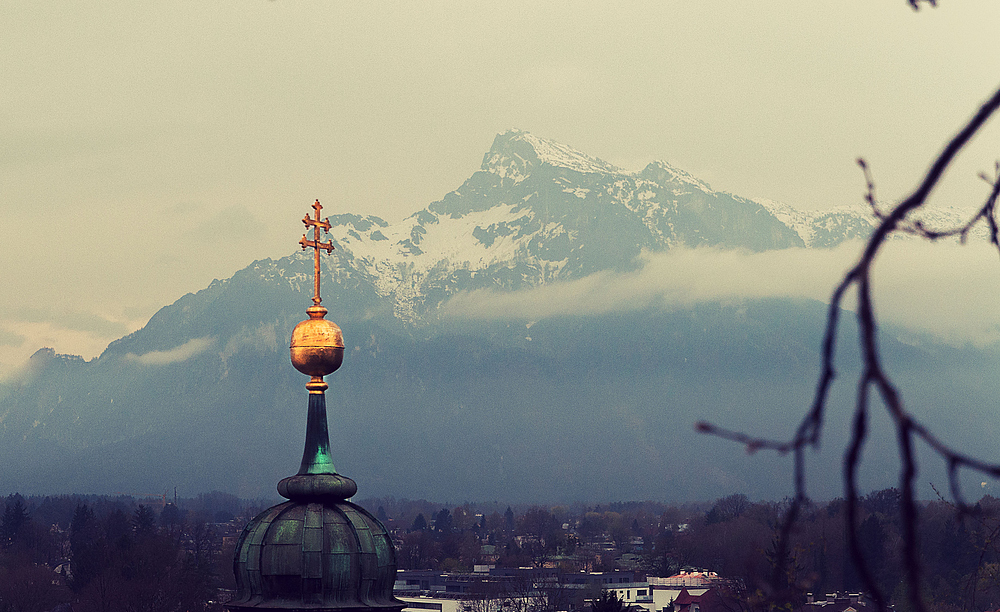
100,553
114,553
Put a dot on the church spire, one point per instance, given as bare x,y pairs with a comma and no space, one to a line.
316,551
317,349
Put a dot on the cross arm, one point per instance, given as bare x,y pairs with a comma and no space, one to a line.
324,246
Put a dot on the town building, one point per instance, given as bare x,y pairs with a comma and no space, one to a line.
563,590
665,591
837,602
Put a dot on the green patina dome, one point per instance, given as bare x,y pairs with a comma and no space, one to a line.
317,551
315,555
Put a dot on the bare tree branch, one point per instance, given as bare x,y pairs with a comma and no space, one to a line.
874,377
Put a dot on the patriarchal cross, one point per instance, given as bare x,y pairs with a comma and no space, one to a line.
327,246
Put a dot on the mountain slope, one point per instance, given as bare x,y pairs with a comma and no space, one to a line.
570,407
538,212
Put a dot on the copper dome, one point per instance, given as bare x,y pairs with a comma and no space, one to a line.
315,555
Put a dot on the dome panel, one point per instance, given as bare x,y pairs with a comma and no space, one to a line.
318,556
285,532
283,559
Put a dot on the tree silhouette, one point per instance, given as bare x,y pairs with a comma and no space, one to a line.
143,520
170,516
85,546
728,508
15,516
874,378
607,601
442,521
419,523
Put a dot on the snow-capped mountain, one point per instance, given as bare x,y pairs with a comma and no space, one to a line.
586,407
538,211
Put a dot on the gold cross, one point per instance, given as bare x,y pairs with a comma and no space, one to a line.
327,246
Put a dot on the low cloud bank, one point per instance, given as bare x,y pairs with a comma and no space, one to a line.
944,289
181,353
678,278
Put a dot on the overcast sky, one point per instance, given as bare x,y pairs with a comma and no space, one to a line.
148,148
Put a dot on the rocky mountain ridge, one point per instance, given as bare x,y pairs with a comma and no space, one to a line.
538,212
566,408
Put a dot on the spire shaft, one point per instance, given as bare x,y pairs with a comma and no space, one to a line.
316,454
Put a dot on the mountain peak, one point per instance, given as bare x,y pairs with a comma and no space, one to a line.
662,172
516,153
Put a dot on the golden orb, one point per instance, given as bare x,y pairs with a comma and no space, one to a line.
317,346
